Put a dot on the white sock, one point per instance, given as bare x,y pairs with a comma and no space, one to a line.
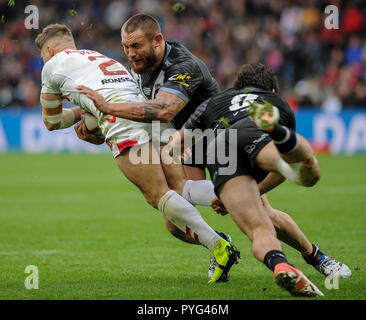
199,192
290,171
186,217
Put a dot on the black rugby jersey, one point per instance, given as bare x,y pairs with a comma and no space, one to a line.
182,74
229,106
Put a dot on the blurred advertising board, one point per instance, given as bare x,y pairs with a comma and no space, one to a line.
343,132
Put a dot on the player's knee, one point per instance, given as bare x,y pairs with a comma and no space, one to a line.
262,228
152,199
176,184
263,232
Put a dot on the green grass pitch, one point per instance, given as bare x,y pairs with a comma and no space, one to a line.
92,235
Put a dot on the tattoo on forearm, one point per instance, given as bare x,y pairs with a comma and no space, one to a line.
149,111
145,112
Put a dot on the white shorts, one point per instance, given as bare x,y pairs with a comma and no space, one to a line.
122,133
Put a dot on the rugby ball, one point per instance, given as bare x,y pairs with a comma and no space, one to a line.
91,122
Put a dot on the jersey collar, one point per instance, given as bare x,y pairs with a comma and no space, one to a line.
165,61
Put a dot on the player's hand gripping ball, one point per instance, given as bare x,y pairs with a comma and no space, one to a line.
88,129
90,121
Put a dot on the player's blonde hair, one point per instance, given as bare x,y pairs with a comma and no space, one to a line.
52,31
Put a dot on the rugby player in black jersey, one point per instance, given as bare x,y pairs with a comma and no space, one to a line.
254,93
174,82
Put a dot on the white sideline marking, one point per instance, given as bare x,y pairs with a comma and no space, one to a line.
345,189
40,252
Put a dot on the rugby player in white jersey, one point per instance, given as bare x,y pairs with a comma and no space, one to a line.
65,68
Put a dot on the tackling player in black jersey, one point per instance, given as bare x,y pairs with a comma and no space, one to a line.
254,93
175,82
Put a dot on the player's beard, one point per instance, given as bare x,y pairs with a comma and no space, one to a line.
149,62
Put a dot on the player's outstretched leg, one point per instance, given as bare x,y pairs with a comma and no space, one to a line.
327,265
199,192
186,217
240,196
290,233
270,160
294,149
151,181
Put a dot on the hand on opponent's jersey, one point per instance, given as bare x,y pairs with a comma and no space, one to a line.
163,108
97,98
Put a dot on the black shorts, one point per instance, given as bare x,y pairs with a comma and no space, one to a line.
246,130
238,153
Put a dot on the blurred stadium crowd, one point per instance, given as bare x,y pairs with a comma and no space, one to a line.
317,67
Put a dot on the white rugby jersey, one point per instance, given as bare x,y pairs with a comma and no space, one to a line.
70,68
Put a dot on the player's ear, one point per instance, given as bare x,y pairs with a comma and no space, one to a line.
50,50
158,40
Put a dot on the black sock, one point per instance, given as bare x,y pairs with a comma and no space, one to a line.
278,132
273,258
284,138
316,256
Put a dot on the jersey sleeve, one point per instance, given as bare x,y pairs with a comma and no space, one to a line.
183,79
48,80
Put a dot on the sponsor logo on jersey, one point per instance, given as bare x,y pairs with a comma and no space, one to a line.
181,78
116,80
250,148
261,138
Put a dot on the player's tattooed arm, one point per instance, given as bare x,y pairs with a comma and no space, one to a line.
53,114
164,108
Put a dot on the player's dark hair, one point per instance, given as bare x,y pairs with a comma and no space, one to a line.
148,24
256,75
51,31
